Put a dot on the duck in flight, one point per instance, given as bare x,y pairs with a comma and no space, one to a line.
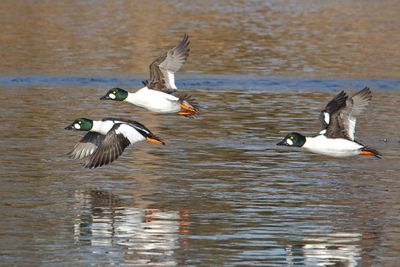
338,120
159,93
107,139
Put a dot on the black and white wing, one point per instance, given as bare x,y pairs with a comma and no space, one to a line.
116,140
143,130
140,128
87,145
343,121
162,70
326,115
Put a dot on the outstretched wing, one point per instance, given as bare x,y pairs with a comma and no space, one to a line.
110,149
87,145
338,102
343,121
162,70
354,107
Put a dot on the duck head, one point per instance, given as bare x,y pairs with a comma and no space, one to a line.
293,139
116,94
81,124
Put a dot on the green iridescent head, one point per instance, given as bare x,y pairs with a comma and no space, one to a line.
116,94
293,139
81,124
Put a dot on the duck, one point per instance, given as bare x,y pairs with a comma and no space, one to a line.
107,139
159,94
338,122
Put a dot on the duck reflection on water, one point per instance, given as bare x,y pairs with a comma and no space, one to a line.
103,219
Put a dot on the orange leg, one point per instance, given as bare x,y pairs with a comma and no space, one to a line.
156,141
186,112
366,153
187,108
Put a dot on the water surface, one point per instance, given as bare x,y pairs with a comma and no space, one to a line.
346,39
220,191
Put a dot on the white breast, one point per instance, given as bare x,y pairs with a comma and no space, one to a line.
102,127
156,101
336,147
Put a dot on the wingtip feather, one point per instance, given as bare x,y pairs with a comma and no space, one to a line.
365,93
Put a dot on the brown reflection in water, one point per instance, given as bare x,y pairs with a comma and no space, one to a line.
335,38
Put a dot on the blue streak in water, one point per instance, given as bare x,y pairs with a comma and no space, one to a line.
224,83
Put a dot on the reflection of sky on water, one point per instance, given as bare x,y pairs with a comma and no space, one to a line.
103,221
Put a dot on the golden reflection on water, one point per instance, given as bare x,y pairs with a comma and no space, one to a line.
302,38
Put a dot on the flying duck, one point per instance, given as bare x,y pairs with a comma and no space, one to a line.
107,139
338,121
159,93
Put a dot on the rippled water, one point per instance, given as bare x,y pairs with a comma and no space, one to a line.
220,192
357,39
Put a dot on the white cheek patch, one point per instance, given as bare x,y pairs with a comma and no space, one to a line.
77,126
290,142
112,96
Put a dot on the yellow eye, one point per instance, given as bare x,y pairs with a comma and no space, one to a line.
80,122
114,92
291,137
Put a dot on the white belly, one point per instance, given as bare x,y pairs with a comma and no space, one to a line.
337,147
155,101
